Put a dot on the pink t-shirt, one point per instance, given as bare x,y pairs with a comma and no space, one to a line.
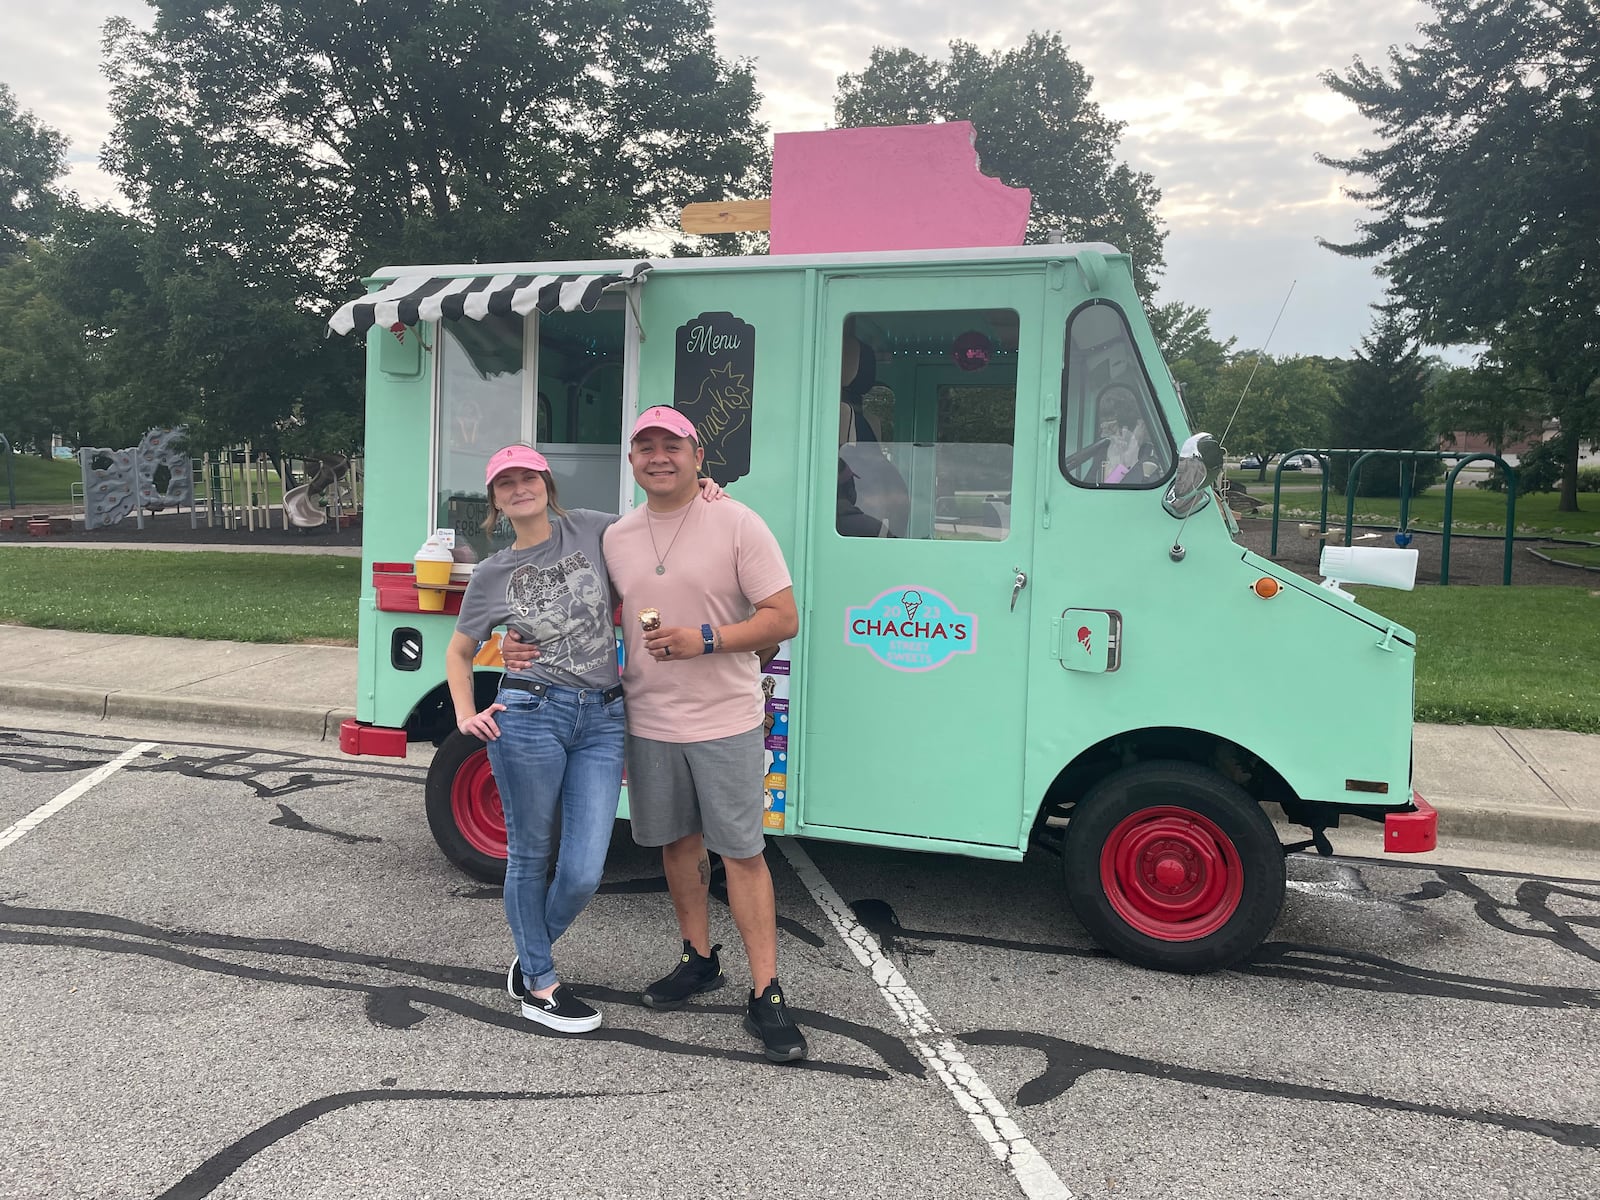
722,560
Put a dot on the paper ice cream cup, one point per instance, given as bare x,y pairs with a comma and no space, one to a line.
433,572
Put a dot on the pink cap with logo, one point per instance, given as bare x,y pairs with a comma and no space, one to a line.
507,457
662,417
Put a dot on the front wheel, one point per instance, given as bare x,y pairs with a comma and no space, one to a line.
1171,865
463,805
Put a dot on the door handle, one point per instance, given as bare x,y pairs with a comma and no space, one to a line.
1017,585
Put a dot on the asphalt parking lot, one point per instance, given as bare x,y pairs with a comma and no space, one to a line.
232,972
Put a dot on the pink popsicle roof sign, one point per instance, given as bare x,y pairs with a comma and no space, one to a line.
903,187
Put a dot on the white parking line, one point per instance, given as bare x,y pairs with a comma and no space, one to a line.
1032,1173
44,812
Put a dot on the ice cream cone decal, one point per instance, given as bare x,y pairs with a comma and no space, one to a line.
1083,638
912,601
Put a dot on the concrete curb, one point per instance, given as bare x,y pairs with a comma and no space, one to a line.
1542,826
300,720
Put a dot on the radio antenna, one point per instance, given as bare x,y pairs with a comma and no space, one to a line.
1177,551
1257,366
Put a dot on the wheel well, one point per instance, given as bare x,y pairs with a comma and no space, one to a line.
1228,758
433,718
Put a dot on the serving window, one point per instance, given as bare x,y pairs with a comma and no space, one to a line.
554,381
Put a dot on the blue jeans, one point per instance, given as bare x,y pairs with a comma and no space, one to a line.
560,753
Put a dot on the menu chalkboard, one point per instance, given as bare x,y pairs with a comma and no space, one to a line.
712,384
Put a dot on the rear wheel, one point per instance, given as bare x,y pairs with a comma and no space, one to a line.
1171,865
464,808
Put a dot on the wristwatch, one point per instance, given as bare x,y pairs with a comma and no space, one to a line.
708,635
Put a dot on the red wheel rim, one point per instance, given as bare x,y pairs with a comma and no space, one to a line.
1171,873
475,804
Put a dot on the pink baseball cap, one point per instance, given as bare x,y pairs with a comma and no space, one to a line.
662,417
507,457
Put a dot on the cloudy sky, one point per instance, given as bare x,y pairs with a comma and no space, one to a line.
1220,98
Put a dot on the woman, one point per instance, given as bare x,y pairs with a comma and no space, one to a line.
555,730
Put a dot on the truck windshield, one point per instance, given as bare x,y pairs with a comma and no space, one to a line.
1112,431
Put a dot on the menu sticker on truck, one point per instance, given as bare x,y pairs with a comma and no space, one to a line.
712,381
911,628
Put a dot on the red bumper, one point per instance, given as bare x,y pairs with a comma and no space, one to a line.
1411,832
357,737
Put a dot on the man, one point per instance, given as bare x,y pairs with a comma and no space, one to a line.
713,584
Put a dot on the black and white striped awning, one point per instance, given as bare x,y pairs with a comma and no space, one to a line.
414,298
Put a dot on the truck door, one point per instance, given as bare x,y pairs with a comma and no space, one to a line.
916,633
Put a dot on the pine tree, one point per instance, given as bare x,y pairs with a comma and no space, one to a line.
1380,407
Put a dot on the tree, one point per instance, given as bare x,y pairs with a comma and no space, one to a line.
32,158
46,372
1382,405
1036,128
1485,399
1194,357
1485,192
278,151
1266,406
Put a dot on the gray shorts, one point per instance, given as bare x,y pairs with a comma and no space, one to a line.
712,788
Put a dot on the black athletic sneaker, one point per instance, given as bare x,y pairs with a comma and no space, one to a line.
690,977
561,1011
767,1017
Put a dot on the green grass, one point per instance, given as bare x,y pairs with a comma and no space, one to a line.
1518,656
1582,556
39,481
231,597
1473,511
1521,656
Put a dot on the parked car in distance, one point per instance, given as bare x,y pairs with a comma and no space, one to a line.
1250,462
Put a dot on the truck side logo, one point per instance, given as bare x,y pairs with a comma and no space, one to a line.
911,628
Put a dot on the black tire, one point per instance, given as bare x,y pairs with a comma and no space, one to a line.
461,811
1172,866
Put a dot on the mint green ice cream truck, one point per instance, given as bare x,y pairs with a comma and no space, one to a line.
1021,598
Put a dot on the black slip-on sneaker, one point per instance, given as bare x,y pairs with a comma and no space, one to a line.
690,977
767,1017
561,1011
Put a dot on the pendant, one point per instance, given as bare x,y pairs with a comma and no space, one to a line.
661,569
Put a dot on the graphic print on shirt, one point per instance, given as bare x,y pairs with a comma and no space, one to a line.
565,611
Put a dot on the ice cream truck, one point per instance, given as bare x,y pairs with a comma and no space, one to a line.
1022,602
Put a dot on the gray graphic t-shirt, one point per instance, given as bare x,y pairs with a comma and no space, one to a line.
556,594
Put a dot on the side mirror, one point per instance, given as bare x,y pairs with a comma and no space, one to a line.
1199,468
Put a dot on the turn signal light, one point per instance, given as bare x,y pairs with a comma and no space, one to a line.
1266,587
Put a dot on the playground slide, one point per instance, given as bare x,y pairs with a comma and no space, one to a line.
301,505
300,508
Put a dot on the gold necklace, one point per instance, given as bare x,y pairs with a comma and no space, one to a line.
650,528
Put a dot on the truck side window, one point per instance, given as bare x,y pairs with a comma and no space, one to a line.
1112,433
927,422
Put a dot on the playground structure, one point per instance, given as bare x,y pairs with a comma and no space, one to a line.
119,482
236,489
233,486
1403,533
332,490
